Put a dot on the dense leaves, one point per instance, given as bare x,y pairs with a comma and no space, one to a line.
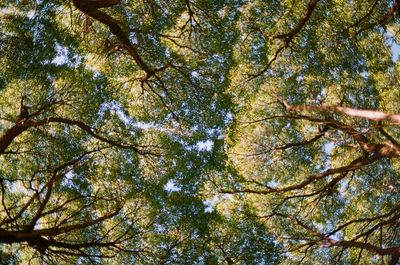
199,132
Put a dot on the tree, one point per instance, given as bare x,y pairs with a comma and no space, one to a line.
314,148
103,104
199,132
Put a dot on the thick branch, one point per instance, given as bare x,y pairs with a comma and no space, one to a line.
7,138
383,19
394,251
326,241
25,236
387,149
103,3
90,8
44,240
374,115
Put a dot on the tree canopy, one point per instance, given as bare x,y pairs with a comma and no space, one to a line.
199,132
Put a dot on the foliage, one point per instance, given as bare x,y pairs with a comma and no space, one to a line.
199,132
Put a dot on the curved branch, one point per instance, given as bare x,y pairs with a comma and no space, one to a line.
23,125
90,8
9,136
356,164
287,37
394,252
22,236
103,3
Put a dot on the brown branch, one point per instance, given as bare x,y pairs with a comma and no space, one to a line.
373,115
387,149
89,130
289,145
305,142
191,14
359,21
326,241
287,37
394,252
24,236
23,125
382,19
90,8
54,177
361,220
8,137
265,69
103,3
354,165
389,137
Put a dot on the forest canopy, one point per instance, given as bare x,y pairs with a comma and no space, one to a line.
199,132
